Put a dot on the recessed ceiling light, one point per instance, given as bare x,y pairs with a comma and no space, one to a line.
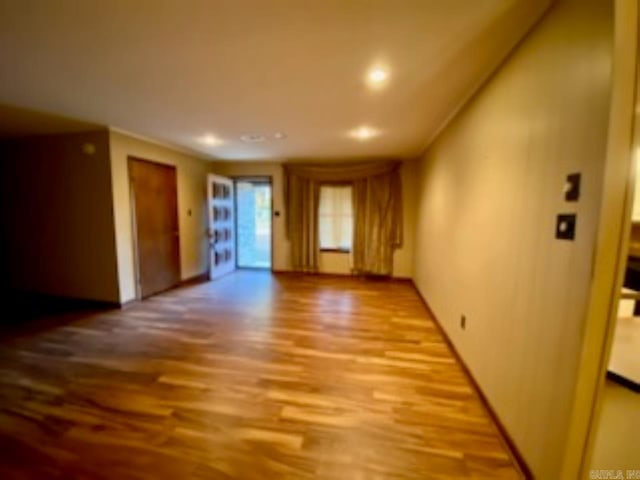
210,140
279,135
377,77
252,137
364,133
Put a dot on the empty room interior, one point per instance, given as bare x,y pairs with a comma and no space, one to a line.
321,239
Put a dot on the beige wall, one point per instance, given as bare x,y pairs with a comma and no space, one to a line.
338,263
635,214
403,260
57,217
191,178
490,188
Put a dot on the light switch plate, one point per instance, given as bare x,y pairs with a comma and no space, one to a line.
572,188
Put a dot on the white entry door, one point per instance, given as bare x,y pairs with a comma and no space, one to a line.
221,225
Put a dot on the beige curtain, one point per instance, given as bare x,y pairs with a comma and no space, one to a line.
302,197
377,230
377,208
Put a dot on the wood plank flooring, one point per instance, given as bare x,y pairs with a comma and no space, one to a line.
254,376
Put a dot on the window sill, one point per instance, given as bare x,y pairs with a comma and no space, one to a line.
334,250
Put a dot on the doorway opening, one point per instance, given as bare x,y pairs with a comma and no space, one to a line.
618,416
253,222
609,382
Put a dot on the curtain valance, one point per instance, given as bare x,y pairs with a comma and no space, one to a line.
340,172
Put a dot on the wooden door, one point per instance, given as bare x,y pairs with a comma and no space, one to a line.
155,209
221,225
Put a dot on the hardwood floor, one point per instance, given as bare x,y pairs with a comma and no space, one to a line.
254,376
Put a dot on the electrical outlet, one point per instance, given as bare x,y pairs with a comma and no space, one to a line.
463,322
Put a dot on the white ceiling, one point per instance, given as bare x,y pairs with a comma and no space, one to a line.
176,70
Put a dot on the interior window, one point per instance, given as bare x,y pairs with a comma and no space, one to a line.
335,218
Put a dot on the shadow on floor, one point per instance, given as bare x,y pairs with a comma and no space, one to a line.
27,312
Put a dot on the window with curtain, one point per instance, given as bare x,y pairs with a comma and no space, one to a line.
335,217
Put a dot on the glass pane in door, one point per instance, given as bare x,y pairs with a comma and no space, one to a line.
253,203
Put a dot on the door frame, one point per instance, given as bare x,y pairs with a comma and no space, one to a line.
267,179
134,224
612,241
